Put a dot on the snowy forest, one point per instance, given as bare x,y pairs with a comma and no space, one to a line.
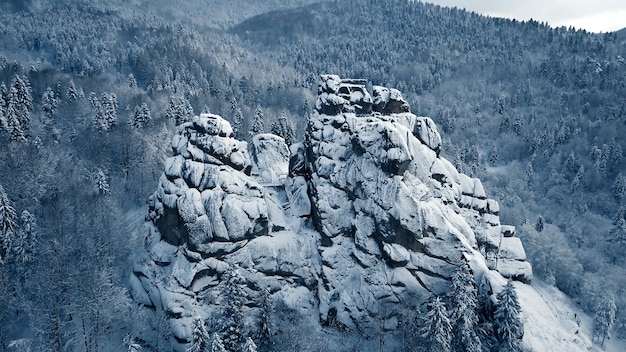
91,94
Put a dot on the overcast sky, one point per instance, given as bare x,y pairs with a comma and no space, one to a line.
592,15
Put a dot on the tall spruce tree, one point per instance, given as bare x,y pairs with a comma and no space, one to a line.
142,116
436,327
508,324
49,105
257,122
179,109
8,224
604,319
233,295
282,128
3,106
20,102
201,339
24,245
463,311
216,343
249,346
264,333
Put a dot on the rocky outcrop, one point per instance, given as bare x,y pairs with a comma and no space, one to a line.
362,216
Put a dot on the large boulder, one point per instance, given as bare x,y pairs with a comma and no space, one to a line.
361,217
381,194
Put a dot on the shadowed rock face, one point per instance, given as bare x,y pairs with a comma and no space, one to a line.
359,219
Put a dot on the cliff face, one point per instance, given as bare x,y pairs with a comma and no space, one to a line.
360,218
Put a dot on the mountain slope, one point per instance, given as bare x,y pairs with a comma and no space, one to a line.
536,112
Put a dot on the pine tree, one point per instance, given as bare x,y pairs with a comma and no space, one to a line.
8,222
102,184
578,178
99,120
179,109
249,346
619,187
49,105
109,107
257,123
132,344
540,224
201,338
283,128
571,163
24,245
493,155
604,319
508,324
436,328
617,239
529,173
463,310
238,123
13,125
3,107
142,116
72,92
264,333
232,328
132,82
216,343
21,102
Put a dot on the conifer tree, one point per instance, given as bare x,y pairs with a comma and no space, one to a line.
216,343
179,109
249,346
49,105
617,239
13,125
493,155
109,108
463,310
72,92
132,344
8,223
201,339
508,323
237,122
25,241
257,123
132,82
436,328
619,187
3,106
99,120
529,173
20,101
232,328
540,224
102,184
264,333
142,116
283,128
604,319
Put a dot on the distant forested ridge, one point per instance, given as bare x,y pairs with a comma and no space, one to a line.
91,92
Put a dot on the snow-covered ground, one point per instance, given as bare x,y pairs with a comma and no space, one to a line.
553,322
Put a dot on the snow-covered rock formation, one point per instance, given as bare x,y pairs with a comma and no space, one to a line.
360,218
